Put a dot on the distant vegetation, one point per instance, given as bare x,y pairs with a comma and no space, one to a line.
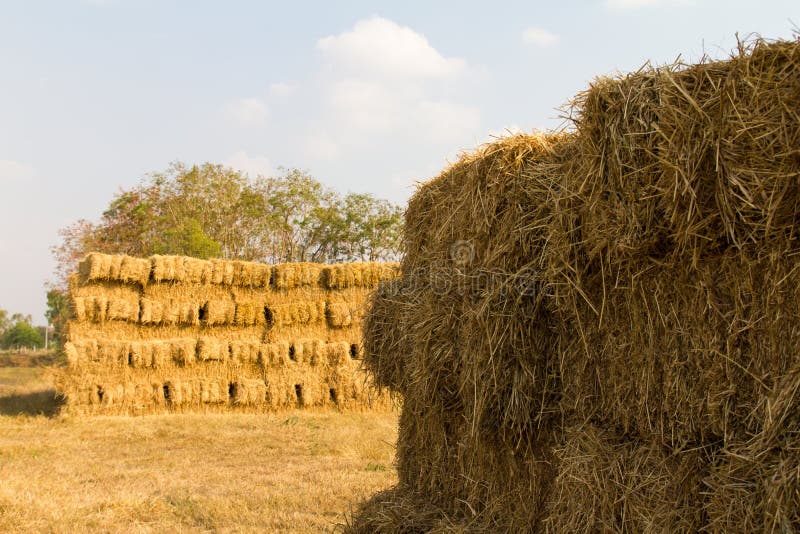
18,332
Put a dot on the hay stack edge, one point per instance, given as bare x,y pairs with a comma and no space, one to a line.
598,330
175,334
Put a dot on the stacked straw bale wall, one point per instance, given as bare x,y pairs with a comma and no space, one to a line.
599,330
174,334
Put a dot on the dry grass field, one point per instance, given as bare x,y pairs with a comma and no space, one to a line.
295,471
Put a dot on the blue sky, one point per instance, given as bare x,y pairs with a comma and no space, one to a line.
366,96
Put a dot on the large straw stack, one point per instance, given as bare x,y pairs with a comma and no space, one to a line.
597,331
171,333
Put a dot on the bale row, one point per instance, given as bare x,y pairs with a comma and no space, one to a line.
186,352
214,312
97,267
287,389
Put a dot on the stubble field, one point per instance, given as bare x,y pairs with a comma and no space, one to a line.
299,471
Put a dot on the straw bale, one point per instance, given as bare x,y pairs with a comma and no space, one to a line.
273,354
222,272
245,351
249,274
339,314
168,268
141,354
687,354
97,266
367,274
212,349
72,355
169,311
134,270
249,313
297,313
197,271
337,353
181,392
611,310
249,392
307,351
82,351
608,483
218,312
104,267
213,391
296,275
386,345
184,351
112,353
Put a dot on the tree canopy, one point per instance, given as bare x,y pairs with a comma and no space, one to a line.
211,211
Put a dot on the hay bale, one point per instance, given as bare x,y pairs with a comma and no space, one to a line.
212,349
141,354
213,391
197,271
249,392
639,274
218,312
245,351
365,275
610,483
339,314
252,275
385,346
183,351
297,313
117,268
296,275
273,354
168,268
337,353
310,352
222,272
169,312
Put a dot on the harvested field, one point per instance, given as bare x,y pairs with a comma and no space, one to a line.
297,471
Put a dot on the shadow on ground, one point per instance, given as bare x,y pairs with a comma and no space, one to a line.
45,402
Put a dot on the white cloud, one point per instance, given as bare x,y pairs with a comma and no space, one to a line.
382,83
14,171
281,89
247,112
539,37
381,47
251,165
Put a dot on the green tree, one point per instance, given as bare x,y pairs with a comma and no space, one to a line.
22,334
